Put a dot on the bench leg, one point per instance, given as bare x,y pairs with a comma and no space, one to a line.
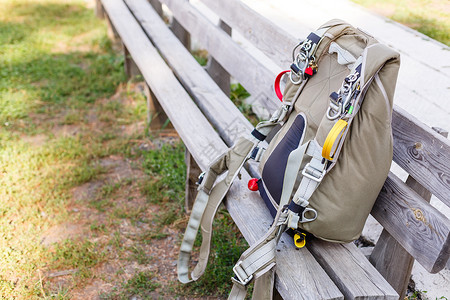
192,173
156,117
181,33
157,6
131,69
99,11
389,257
216,71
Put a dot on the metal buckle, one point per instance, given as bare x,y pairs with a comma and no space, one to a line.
310,176
200,178
239,279
304,219
295,81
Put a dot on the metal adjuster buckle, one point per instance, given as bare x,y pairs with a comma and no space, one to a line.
200,178
239,279
310,174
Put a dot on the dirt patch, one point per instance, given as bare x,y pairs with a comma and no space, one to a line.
61,232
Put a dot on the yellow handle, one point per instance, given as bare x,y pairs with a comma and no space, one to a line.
300,240
333,139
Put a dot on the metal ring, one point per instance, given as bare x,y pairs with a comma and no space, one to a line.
332,117
352,77
295,81
305,219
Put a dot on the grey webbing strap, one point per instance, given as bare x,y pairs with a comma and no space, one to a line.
215,199
207,201
259,259
312,174
189,236
291,173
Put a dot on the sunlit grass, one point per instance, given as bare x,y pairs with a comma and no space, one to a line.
55,60
430,17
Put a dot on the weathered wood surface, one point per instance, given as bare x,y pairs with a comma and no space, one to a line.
172,96
254,76
414,223
388,255
423,153
246,208
393,262
181,33
217,107
361,283
156,117
130,67
99,12
215,69
274,42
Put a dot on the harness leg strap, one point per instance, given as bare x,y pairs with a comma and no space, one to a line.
205,206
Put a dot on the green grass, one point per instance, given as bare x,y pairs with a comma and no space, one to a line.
141,285
55,62
238,94
430,17
65,106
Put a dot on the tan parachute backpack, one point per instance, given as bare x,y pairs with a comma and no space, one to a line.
324,168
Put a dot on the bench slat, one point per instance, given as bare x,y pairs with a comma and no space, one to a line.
360,283
216,106
162,81
423,153
414,223
246,208
254,76
263,34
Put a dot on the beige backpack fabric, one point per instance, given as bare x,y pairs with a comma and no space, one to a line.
347,193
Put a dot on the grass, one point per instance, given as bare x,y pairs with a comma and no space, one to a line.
141,285
56,61
430,17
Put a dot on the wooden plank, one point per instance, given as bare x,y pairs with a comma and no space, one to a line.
389,257
99,12
423,153
173,98
217,107
274,42
246,208
156,117
393,262
254,76
215,69
355,283
129,65
157,7
414,223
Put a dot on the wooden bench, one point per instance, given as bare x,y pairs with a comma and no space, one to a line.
197,103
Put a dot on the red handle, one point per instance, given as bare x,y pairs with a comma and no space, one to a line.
277,85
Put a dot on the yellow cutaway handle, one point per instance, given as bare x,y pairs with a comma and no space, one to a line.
300,240
333,139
